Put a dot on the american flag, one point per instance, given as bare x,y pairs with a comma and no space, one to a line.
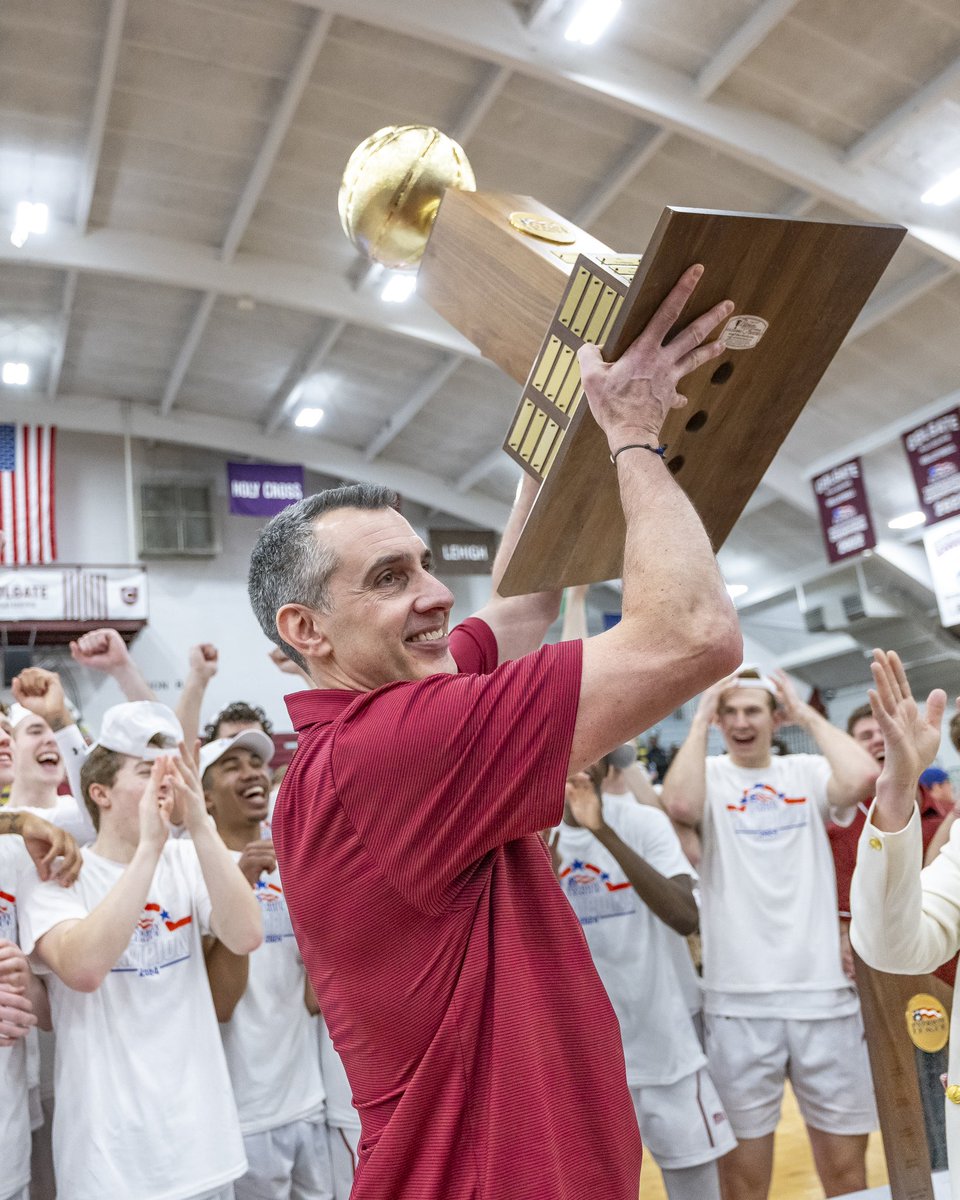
26,494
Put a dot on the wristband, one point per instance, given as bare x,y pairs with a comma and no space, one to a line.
658,450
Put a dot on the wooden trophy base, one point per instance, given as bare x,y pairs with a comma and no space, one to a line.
884,1000
798,286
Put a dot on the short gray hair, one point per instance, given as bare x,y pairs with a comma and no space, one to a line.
290,565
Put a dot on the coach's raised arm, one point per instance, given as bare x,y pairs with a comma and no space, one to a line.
679,631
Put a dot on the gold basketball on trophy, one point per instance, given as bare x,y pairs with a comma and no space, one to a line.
392,187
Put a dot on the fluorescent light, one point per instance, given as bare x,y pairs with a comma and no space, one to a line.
31,218
16,374
307,418
400,286
943,192
908,520
736,589
591,20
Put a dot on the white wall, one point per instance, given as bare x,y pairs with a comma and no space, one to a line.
191,600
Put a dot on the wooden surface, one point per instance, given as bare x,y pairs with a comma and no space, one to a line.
794,1175
808,280
883,1000
497,286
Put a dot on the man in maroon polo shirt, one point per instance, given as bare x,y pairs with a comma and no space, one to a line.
484,1057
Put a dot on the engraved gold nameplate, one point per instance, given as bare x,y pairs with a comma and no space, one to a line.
542,227
587,312
927,1022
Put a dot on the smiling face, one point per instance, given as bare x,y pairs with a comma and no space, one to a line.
237,790
747,721
388,614
119,802
867,732
38,760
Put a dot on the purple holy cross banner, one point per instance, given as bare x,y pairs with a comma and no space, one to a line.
263,489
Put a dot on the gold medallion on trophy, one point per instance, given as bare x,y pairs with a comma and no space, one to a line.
542,227
927,1022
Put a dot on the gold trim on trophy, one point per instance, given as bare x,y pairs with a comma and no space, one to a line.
538,226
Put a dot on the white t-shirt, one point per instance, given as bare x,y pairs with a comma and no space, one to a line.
14,1107
630,946
771,945
341,1113
270,1040
144,1103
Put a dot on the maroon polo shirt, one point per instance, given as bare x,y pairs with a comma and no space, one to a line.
484,1056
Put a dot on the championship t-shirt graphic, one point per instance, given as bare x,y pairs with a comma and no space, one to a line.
160,940
273,910
764,811
594,895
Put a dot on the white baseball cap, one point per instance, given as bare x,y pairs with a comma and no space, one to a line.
247,739
17,714
764,682
142,729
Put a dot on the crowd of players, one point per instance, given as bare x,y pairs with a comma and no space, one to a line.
156,1018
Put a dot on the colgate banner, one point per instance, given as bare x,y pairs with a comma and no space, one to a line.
263,489
934,453
844,512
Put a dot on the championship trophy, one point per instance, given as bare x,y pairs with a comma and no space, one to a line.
528,288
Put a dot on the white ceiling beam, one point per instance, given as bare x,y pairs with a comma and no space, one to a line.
422,394
280,123
285,401
195,267
60,349
883,435
480,470
94,414
761,22
663,96
186,352
542,12
798,204
480,104
881,308
109,57
790,483
713,74
916,106
614,183
252,190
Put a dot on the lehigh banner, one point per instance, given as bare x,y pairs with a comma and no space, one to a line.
463,551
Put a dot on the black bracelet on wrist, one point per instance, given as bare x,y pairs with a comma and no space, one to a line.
659,450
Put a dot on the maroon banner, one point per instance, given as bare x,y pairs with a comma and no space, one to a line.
844,512
934,453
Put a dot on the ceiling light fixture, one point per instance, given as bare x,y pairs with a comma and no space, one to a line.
735,590
908,520
591,20
943,192
308,418
30,218
16,374
400,286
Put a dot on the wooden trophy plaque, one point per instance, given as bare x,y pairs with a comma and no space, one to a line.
885,1002
534,293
